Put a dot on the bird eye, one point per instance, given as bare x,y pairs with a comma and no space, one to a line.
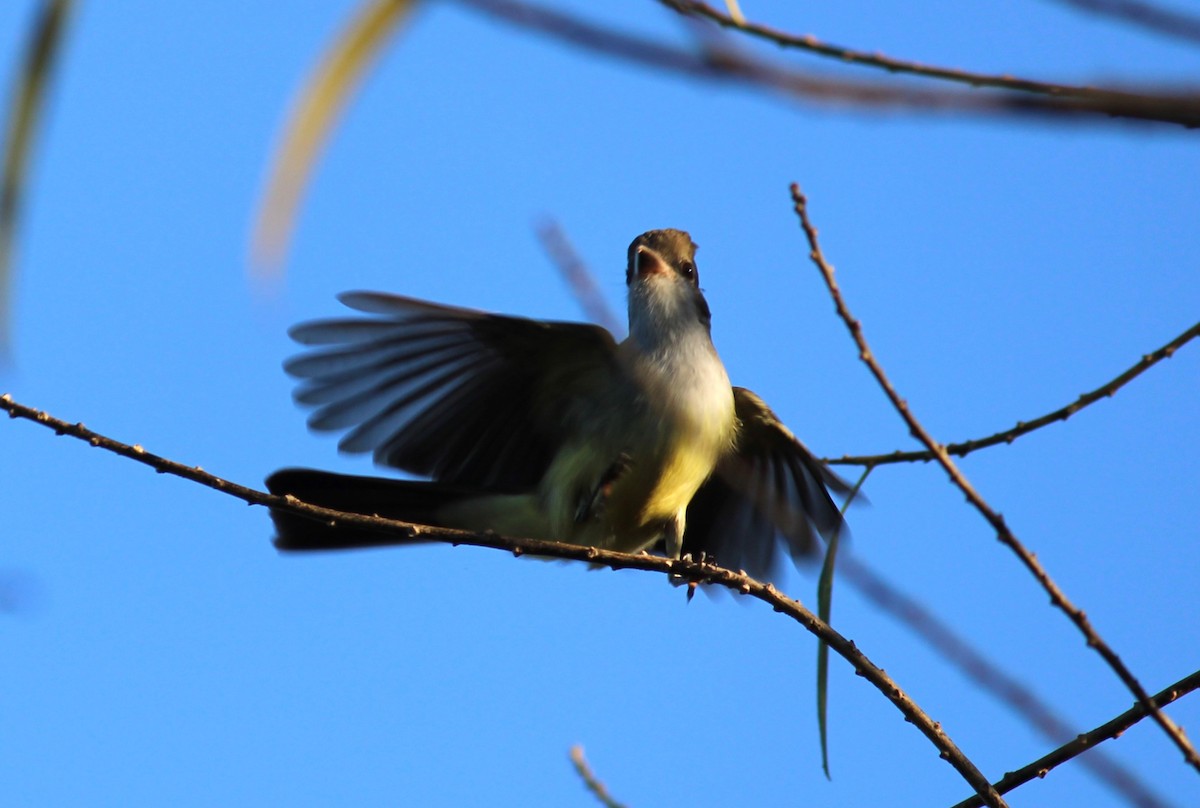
688,270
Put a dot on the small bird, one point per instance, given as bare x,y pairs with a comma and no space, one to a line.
554,430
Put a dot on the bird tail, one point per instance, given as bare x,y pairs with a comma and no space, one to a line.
408,501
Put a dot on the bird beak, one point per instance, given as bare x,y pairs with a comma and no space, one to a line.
646,263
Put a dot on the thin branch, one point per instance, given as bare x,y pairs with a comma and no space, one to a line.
1006,536
1106,390
578,277
988,676
590,780
1164,21
726,66
1042,766
684,568
903,66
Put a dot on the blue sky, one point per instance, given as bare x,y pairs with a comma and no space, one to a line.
162,652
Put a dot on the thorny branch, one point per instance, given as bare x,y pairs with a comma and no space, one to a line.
990,678
1106,390
1006,536
1088,740
685,569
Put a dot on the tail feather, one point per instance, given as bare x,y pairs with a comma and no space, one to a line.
409,501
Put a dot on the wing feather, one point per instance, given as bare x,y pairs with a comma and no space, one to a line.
462,396
767,495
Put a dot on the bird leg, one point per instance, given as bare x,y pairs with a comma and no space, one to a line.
591,505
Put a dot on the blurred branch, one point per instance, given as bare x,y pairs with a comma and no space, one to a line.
1106,390
316,108
1006,536
727,66
577,275
1158,19
332,83
685,569
1042,766
28,97
988,676
877,60
590,780
20,591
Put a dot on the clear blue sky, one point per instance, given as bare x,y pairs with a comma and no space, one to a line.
164,654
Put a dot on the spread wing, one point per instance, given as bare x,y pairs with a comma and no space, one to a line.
458,395
768,494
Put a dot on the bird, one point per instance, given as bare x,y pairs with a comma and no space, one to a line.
555,430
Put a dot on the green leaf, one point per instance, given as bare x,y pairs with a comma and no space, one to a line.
824,608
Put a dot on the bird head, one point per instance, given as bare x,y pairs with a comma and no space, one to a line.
664,287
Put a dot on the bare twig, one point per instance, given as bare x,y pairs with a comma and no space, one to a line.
1165,21
578,277
1006,536
590,780
1042,766
903,66
1106,390
685,569
988,676
725,66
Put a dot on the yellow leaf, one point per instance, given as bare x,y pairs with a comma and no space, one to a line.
313,114
45,39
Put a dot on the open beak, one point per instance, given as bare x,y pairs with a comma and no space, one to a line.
647,263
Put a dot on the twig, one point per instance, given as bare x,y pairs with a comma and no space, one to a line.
1006,536
849,55
1165,21
590,780
680,569
725,66
578,277
1106,390
1042,766
988,676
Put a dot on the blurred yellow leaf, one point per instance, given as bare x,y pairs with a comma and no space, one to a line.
314,111
45,38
